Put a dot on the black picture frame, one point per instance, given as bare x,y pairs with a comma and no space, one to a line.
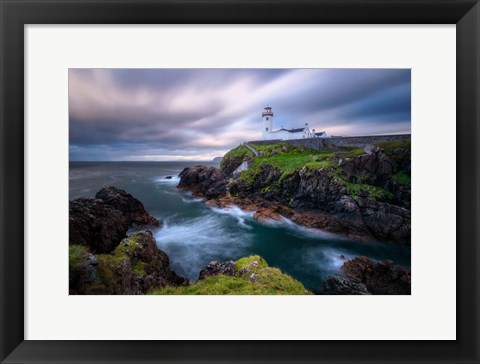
17,13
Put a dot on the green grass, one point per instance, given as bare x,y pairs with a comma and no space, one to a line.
77,256
243,262
128,246
402,178
139,268
293,161
374,192
351,153
289,162
111,266
267,150
255,280
239,153
391,147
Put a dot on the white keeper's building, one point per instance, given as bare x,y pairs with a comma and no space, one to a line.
285,134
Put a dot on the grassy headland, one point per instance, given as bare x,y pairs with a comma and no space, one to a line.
288,160
253,277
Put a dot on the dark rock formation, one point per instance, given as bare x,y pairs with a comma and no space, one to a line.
94,224
379,277
335,285
131,208
377,168
203,181
136,267
358,196
102,222
215,268
231,163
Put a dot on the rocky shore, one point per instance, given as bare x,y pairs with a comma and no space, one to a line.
102,259
363,276
363,194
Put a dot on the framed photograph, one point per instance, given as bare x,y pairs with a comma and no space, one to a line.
240,181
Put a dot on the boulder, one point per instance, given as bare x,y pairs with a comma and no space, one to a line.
379,277
335,285
131,208
215,268
94,224
102,222
265,214
203,181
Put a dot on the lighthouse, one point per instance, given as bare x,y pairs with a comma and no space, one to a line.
267,116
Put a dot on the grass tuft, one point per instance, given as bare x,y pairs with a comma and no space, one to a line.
256,279
77,256
402,178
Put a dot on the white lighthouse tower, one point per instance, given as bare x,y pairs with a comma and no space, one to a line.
267,116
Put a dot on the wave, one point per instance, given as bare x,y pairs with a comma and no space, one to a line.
171,181
322,261
236,212
192,199
193,243
299,229
310,232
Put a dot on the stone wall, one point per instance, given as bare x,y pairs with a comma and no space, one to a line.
337,142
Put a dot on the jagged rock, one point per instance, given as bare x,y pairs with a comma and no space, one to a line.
135,267
378,208
230,164
102,222
215,268
335,285
267,214
131,208
94,224
203,180
387,221
216,189
379,277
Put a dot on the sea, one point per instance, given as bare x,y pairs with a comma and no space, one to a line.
193,234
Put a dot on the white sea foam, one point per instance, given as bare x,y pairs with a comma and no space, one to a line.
299,229
335,258
236,212
192,243
171,181
310,232
191,200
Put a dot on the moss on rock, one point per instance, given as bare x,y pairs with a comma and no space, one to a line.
77,256
243,262
253,277
135,267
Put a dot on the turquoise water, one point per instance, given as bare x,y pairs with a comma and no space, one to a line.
194,234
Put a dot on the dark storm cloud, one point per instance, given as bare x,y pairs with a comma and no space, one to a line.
164,114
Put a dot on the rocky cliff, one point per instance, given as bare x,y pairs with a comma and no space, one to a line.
135,267
102,259
363,275
364,194
100,223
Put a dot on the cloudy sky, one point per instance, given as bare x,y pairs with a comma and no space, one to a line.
199,114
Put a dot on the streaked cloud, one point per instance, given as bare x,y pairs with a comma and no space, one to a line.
197,114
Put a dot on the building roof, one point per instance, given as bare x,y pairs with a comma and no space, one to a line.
321,133
296,130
